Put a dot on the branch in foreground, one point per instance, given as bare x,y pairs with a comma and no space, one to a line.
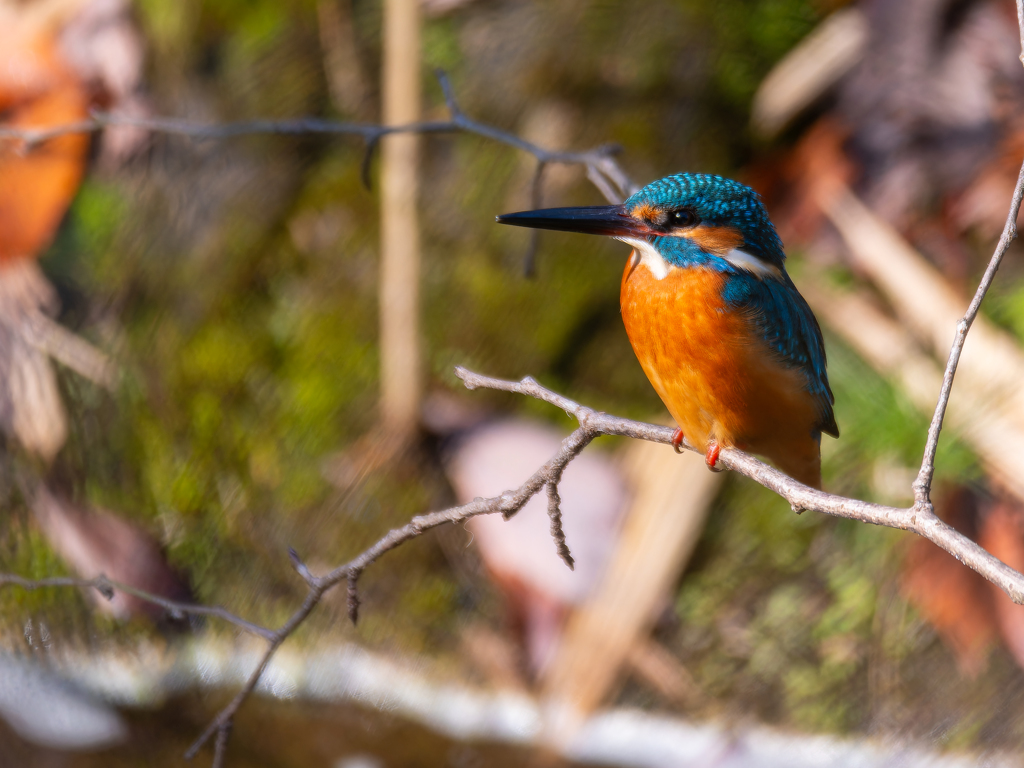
923,483
507,504
592,424
801,497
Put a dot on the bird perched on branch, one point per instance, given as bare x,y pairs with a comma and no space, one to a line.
725,338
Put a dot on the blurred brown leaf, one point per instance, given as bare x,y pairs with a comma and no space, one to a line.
1002,535
954,599
95,542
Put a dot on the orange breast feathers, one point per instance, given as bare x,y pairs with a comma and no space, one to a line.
716,376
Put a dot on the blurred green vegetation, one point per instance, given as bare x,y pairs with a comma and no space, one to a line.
236,283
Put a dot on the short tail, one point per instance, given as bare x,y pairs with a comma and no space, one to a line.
805,469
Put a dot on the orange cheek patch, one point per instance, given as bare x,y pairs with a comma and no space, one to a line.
716,240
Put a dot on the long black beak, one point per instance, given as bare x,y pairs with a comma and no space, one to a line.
609,220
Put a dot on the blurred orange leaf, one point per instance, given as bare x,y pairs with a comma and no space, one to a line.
37,183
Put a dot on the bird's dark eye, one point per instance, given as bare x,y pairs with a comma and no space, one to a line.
683,217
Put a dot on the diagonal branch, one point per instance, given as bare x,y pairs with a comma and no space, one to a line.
922,522
507,504
107,588
592,424
923,483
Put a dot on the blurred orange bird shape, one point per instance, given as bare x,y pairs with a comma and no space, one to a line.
38,89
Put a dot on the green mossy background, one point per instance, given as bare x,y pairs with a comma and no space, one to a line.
236,283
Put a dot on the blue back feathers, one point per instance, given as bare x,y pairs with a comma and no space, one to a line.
785,322
775,308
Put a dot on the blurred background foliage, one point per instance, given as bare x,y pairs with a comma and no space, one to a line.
235,281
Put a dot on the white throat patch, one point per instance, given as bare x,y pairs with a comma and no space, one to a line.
659,268
649,257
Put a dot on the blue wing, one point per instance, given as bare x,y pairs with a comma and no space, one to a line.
790,329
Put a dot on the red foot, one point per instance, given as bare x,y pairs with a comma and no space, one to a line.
711,457
677,441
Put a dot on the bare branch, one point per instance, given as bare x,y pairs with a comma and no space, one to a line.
100,584
923,483
222,723
220,747
800,496
536,189
591,425
300,567
555,515
352,598
106,588
598,161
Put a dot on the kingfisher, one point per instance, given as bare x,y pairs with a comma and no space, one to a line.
718,326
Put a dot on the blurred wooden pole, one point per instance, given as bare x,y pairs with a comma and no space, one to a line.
401,377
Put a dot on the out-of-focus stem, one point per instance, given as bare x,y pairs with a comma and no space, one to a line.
401,377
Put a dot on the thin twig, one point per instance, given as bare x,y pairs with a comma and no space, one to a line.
536,191
299,566
598,161
100,583
220,747
107,588
923,483
352,596
226,716
555,516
